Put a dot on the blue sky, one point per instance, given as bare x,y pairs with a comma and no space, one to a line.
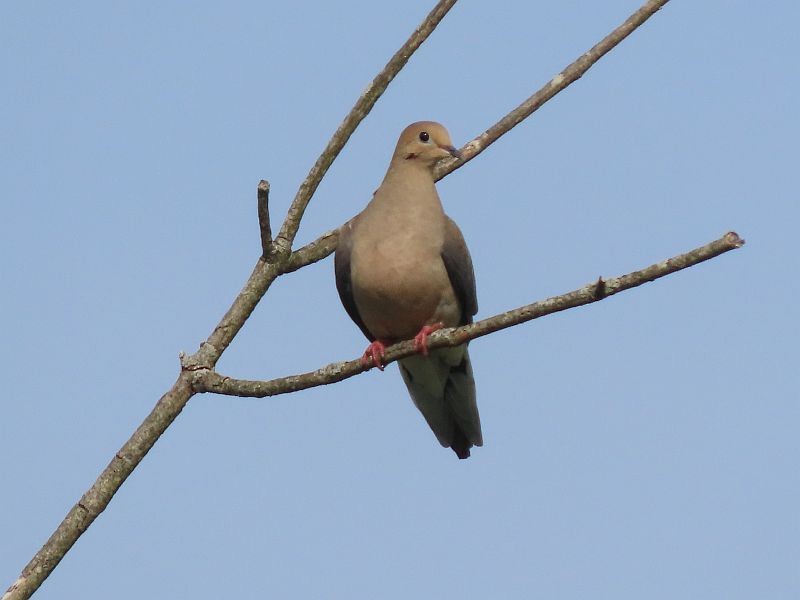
644,446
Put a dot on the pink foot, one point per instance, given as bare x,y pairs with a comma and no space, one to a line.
421,339
373,355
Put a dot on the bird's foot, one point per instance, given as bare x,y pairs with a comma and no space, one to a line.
421,339
374,355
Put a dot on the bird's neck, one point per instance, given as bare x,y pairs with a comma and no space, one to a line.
410,178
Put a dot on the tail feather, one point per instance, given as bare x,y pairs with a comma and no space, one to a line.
443,389
460,444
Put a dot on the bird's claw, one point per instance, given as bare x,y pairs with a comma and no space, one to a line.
421,339
374,355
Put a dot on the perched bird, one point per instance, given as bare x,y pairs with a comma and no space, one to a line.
402,271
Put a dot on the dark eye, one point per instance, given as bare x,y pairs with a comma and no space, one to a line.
423,136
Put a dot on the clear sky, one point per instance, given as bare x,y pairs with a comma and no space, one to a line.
642,447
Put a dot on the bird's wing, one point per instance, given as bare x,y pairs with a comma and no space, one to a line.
458,263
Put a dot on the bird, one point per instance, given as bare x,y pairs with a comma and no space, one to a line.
403,270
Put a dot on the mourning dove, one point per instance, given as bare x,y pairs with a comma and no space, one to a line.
402,271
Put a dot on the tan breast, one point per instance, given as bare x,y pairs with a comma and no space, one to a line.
399,279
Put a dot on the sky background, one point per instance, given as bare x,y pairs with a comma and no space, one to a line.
642,447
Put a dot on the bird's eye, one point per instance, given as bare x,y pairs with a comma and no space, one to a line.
423,136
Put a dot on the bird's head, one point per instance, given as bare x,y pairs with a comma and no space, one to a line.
425,143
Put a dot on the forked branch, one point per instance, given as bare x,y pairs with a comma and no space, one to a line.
362,107
207,380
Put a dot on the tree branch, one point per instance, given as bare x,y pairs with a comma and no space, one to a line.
325,245
207,380
348,126
320,248
263,219
558,83
95,500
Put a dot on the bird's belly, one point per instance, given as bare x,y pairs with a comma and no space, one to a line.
395,297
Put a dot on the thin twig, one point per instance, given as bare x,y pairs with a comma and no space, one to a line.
348,126
97,497
207,380
569,75
263,219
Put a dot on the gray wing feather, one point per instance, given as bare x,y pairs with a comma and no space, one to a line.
458,263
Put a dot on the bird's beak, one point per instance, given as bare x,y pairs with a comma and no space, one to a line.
452,151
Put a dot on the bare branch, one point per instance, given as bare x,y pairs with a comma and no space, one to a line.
95,500
263,219
362,107
207,380
325,245
320,248
566,77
